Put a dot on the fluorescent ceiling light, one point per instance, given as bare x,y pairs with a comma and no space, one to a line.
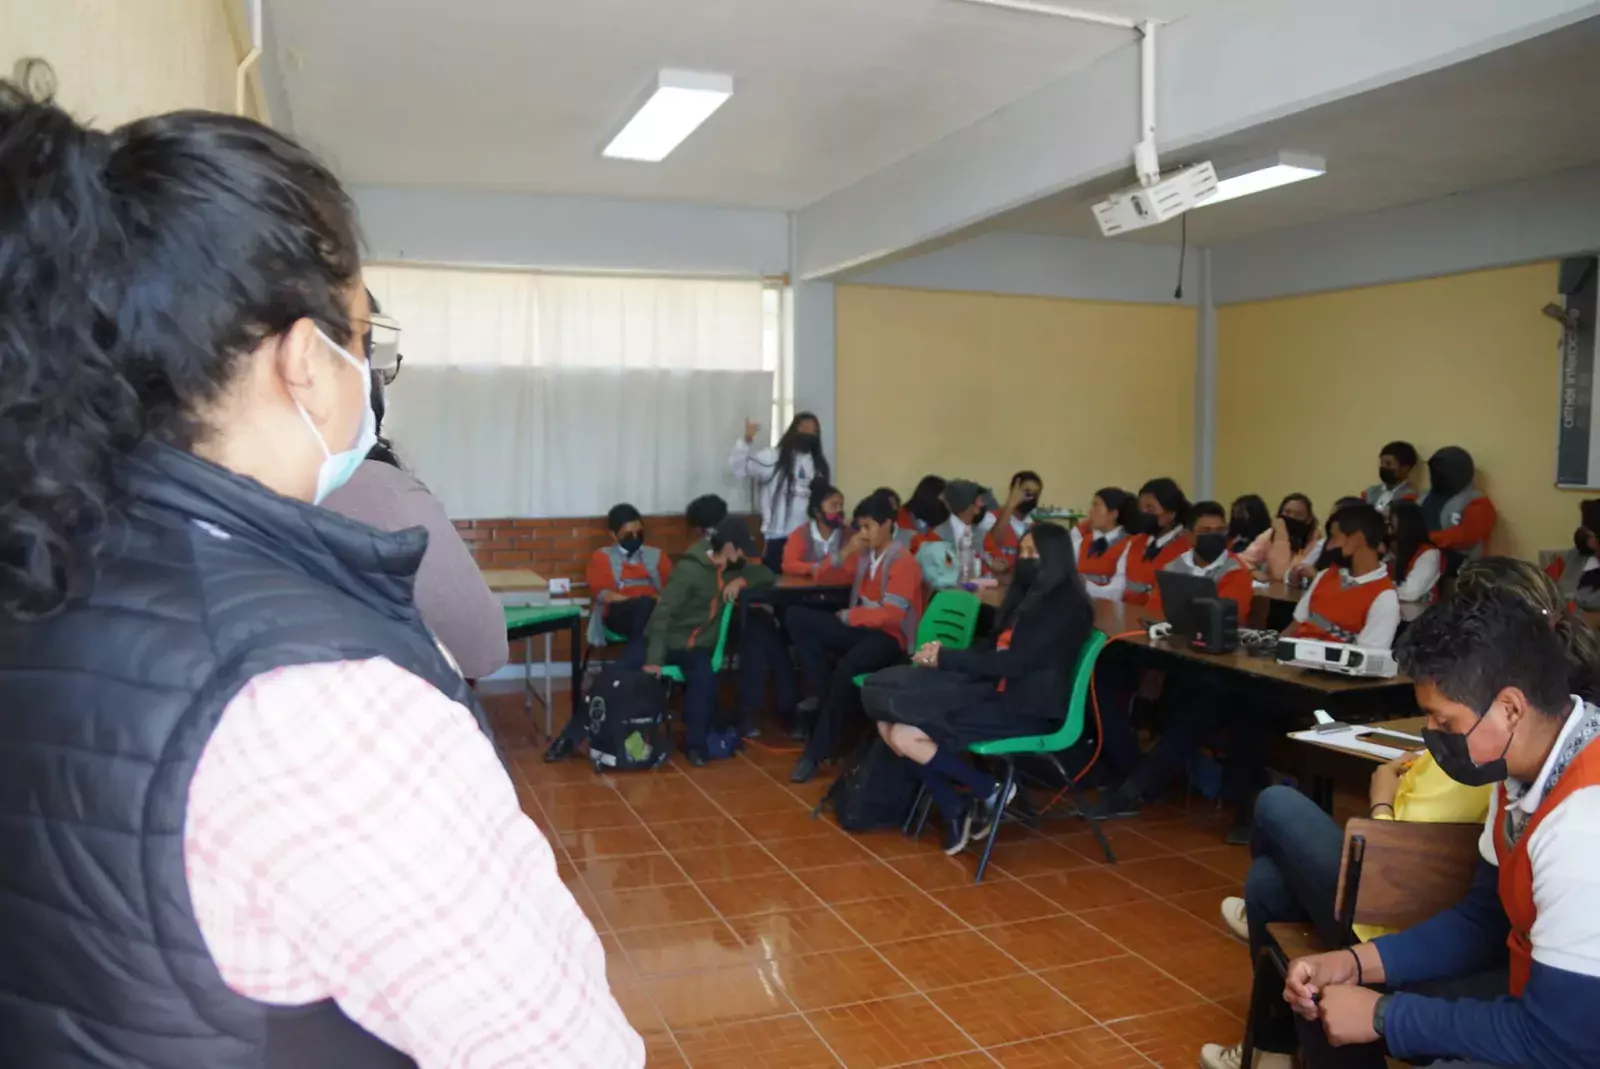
1281,170
681,102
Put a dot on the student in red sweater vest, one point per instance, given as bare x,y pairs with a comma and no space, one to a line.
1353,600
874,632
1012,520
1163,539
1209,557
815,551
1100,542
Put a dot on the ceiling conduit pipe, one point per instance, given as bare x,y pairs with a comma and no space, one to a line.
251,58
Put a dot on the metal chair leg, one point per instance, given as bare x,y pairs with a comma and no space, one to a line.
922,815
1080,804
994,824
911,814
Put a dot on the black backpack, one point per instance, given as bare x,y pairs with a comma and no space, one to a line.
875,792
623,717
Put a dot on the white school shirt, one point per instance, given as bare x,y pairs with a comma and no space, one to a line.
779,518
1565,852
1383,615
1113,590
1423,576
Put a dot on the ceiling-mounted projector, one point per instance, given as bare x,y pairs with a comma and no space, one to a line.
1166,198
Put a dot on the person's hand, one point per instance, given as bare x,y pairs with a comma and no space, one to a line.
1346,1012
1311,975
750,429
605,597
652,669
733,589
844,616
927,656
1306,570
1386,781
1015,498
999,564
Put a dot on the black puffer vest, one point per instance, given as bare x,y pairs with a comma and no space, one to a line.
206,580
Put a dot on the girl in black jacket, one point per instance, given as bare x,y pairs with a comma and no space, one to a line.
1042,625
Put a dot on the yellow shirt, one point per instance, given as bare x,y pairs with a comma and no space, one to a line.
1426,794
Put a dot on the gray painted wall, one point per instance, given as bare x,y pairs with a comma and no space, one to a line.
1520,222
1042,266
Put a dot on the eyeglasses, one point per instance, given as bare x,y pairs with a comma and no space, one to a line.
381,343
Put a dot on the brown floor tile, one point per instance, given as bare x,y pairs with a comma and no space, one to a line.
591,908
707,834
1126,843
1232,861
800,931
1053,941
609,842
554,796
1002,902
661,1052
976,1059
787,824
932,871
1163,876
618,968
855,882
1009,1010
1087,888
1119,987
949,960
1150,927
675,805
817,852
592,815
873,1035
651,907
730,995
773,893
747,798
727,862
1032,857
602,874
634,999
646,792
1087,1048
818,981
683,948
889,843
1189,835
1174,1037
888,920
779,1043
1217,965
1207,905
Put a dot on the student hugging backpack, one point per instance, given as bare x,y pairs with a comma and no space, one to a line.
623,717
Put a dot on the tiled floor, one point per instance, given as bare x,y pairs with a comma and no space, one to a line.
741,934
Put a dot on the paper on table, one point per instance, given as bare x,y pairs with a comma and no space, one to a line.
1349,738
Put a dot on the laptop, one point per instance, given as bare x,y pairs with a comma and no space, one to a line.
1178,593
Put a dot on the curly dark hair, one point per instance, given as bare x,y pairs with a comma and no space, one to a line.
1475,644
136,267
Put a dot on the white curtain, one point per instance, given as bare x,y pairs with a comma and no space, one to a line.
525,394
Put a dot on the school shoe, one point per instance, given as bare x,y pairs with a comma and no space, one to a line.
1234,917
1216,1056
990,809
957,833
560,749
696,756
1113,805
803,770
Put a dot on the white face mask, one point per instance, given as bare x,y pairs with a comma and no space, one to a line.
337,468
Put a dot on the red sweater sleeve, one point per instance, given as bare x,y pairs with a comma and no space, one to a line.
1477,524
598,574
666,571
794,562
905,584
1237,585
1556,569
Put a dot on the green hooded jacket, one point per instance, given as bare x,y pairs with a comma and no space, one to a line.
690,606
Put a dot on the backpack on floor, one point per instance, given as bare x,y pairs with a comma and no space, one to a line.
874,792
624,717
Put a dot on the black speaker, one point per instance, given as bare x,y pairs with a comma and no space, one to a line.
1216,625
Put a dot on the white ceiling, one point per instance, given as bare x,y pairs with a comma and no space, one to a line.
1516,113
522,94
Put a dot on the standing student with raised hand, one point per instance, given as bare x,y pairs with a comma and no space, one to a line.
1012,520
1415,563
784,474
1163,512
1100,543
1395,463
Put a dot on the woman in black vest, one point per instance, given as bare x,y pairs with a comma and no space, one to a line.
250,815
1017,685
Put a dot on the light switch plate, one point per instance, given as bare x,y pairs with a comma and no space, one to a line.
561,586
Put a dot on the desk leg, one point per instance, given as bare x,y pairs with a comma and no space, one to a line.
1322,791
574,643
527,674
547,683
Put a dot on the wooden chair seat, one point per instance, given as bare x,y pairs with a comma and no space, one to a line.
1296,940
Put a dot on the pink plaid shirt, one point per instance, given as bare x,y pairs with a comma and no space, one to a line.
351,835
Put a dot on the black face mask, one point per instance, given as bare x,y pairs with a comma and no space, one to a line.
1389,477
1299,530
977,521
1027,505
1580,542
630,544
1026,573
808,443
1333,558
734,566
1208,547
1145,523
1450,752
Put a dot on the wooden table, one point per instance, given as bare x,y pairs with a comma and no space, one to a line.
513,580
1406,725
1324,760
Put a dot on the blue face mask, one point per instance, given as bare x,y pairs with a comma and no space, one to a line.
337,468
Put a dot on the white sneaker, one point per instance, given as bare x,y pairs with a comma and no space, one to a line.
1216,1056
1233,916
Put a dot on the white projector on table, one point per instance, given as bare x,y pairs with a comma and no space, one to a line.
1166,198
1337,657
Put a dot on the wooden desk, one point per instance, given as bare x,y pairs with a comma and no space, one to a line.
1408,725
514,580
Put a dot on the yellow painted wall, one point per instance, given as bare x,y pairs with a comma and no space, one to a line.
117,60
978,385
1309,388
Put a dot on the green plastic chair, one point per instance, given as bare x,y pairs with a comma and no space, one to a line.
950,619
1046,746
718,652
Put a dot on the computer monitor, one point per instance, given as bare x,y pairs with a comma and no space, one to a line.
1178,592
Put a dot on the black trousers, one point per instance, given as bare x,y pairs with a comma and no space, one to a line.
628,619
763,654
1197,712
832,654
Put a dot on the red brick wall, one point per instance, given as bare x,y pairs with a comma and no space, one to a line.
560,549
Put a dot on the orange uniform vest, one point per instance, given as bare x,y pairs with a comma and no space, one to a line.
1233,581
1099,571
1141,573
1003,541
807,558
1516,868
1003,643
1339,608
